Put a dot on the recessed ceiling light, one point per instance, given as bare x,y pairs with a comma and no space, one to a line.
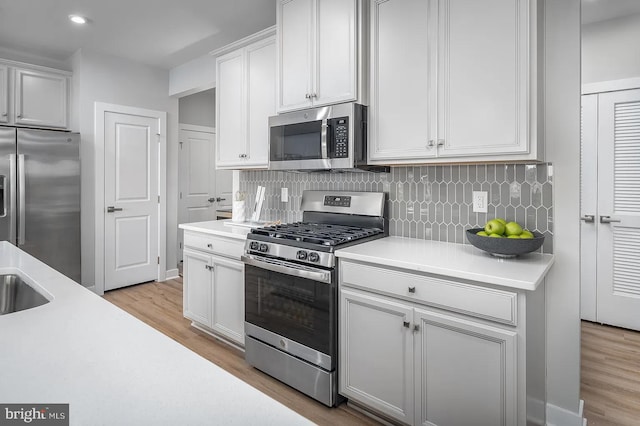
78,19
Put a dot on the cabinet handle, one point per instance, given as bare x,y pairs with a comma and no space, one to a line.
210,245
307,96
209,267
416,328
19,115
314,95
412,289
588,218
406,324
430,144
607,219
440,142
4,114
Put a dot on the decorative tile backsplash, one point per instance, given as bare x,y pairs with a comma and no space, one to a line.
426,202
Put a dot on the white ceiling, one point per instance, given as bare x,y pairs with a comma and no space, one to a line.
601,10
163,33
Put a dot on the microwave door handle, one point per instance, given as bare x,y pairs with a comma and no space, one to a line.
323,139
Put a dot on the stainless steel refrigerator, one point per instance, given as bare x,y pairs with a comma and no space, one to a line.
40,195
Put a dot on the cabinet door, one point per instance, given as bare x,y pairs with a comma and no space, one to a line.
335,67
4,94
465,372
483,85
295,53
376,353
197,287
228,298
402,107
40,99
261,78
231,146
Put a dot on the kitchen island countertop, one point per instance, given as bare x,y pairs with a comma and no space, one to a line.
112,368
462,261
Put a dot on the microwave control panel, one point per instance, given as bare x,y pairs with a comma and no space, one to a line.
341,137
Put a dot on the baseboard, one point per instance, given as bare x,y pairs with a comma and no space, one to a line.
93,289
172,274
536,410
557,416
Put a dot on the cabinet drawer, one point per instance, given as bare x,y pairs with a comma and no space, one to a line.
469,299
214,244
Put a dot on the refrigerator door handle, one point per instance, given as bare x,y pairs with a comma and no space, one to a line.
11,198
21,199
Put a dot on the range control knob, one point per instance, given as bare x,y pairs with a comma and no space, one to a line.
314,257
254,245
301,255
263,248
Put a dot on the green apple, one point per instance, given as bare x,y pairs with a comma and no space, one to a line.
501,220
482,234
514,236
512,228
526,234
494,226
494,235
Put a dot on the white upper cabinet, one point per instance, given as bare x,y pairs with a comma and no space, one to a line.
319,53
41,99
33,97
4,94
402,104
245,98
472,93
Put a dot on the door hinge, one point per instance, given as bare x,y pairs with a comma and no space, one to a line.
158,260
181,195
180,245
158,199
180,144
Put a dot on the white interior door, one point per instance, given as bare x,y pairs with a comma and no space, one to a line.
197,176
588,206
131,199
618,266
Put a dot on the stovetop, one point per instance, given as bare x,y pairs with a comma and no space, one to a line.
322,234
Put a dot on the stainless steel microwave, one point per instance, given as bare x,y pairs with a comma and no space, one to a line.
325,138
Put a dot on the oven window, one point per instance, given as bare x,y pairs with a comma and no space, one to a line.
299,309
296,142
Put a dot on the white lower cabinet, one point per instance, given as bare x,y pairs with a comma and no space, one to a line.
405,356
214,290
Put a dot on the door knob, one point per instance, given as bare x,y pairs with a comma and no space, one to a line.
112,209
588,218
607,219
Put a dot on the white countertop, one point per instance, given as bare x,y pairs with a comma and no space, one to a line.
218,227
112,368
462,261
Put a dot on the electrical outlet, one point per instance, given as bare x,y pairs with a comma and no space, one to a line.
479,201
284,195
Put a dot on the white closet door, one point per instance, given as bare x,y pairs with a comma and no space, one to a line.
588,205
619,202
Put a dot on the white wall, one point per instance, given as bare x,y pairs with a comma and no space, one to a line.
562,137
105,78
611,49
198,109
194,76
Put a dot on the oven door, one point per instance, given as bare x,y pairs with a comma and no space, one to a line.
294,310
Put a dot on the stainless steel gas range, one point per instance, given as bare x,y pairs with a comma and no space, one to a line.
291,288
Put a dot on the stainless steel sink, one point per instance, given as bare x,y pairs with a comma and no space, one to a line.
16,295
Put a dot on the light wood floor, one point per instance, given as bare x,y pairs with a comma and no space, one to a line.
160,306
610,375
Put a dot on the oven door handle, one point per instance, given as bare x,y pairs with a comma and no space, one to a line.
322,276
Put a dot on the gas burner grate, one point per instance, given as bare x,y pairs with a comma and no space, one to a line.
316,233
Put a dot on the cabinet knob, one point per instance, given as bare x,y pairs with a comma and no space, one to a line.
406,324
4,114
430,144
314,95
19,115
210,245
209,267
440,142
412,289
416,328
307,96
